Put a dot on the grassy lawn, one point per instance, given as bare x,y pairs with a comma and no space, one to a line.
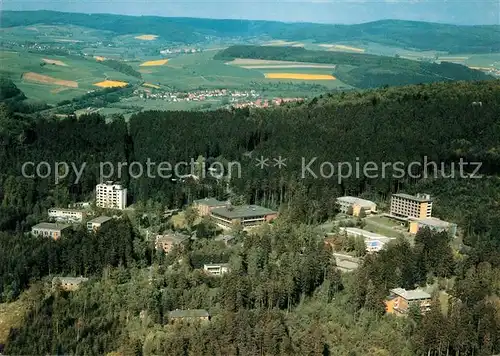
11,316
384,226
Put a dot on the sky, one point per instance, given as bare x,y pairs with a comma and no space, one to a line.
464,12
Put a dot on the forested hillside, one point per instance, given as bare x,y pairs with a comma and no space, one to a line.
284,295
406,34
361,70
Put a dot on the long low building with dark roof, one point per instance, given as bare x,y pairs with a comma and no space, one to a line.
246,215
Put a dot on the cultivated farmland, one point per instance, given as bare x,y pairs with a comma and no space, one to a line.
111,84
45,79
154,63
146,37
54,61
299,76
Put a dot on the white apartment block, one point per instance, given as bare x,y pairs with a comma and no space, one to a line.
67,215
111,195
411,206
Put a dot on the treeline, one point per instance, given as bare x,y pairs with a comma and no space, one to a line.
396,33
371,71
121,67
437,121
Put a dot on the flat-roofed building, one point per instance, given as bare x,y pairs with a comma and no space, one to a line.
67,215
434,224
205,206
52,230
216,269
168,241
374,242
357,205
111,195
246,215
406,206
400,300
69,284
189,315
95,224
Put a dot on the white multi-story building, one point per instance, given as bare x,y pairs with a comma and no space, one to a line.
67,215
111,195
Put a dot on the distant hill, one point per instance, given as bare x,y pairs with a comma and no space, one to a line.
361,70
398,33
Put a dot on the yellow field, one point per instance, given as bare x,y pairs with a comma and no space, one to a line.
158,62
147,37
111,84
299,76
54,61
283,43
99,58
151,86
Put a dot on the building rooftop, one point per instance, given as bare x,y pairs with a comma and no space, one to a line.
419,197
210,202
434,222
242,211
356,200
366,234
51,226
175,237
190,313
414,294
215,265
100,220
68,210
70,280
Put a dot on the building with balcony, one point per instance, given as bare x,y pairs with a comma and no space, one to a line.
216,269
52,230
247,215
404,206
400,301
357,205
95,224
67,215
111,195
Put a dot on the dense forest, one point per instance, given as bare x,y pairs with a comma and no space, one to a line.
284,294
121,67
361,70
396,33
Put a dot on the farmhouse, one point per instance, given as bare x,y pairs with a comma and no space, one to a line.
246,215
